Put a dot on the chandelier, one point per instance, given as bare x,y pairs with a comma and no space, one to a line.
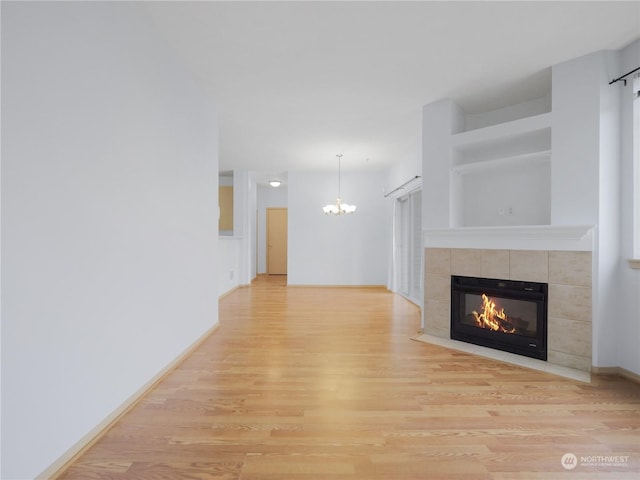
338,208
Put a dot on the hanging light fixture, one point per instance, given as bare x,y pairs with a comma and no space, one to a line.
338,208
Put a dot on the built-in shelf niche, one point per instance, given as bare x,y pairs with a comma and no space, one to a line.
501,172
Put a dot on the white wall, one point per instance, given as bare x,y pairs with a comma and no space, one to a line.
268,197
520,190
109,235
403,170
575,141
606,329
244,223
509,113
228,263
344,250
586,179
252,269
437,121
628,337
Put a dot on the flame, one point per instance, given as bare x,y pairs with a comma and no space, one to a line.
492,318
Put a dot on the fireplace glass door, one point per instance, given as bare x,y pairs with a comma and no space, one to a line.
499,314
502,314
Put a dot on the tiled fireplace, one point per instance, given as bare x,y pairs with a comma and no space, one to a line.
567,272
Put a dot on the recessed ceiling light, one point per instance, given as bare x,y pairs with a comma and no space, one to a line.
275,183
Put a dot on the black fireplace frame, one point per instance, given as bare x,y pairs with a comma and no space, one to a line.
534,347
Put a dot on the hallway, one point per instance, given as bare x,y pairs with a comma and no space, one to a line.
325,383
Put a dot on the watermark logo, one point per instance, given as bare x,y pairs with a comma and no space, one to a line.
569,461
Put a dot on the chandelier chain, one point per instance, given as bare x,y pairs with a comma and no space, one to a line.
339,158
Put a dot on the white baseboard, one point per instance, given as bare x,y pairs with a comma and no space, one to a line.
622,372
61,464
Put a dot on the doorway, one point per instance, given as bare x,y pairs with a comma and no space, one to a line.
276,241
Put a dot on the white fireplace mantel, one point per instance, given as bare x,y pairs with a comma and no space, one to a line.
527,237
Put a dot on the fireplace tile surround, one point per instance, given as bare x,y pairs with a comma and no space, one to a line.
568,273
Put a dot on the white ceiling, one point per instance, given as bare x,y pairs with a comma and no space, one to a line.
295,83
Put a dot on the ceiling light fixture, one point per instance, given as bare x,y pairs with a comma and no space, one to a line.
339,208
275,183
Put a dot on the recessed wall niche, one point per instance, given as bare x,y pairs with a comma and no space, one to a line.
500,163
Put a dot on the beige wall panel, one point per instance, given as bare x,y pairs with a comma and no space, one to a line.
438,287
569,336
529,265
494,264
570,302
437,261
437,318
465,262
570,268
568,360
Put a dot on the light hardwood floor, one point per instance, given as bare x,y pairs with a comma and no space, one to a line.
326,383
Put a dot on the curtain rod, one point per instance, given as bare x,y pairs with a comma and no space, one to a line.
623,76
402,186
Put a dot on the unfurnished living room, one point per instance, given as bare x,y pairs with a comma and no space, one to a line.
328,240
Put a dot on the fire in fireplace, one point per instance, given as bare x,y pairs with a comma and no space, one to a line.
502,314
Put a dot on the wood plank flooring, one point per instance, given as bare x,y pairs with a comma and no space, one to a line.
325,383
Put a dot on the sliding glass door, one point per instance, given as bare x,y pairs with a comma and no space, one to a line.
408,246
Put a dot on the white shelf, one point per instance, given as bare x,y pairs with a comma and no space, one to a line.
529,158
509,139
501,131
